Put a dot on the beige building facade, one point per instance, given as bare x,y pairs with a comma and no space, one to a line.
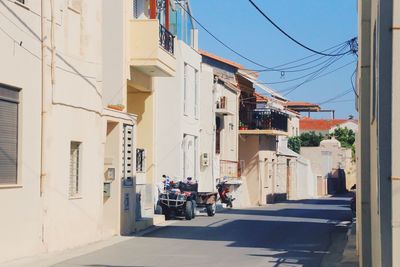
378,185
71,170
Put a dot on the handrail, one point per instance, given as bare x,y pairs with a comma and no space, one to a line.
166,39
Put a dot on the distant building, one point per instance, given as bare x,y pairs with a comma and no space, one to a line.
325,126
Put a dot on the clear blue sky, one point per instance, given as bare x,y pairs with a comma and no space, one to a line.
319,24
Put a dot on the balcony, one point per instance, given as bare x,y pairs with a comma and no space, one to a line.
263,121
222,107
229,169
152,48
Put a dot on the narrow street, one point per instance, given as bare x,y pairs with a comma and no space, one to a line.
294,233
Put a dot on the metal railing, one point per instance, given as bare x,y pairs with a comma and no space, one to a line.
264,119
229,169
166,39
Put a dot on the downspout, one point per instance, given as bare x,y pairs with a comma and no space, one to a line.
214,133
46,92
44,115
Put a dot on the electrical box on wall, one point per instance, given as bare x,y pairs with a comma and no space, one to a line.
204,159
107,189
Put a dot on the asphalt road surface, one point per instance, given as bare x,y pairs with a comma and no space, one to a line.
293,233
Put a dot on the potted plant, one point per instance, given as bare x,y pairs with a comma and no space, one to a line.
242,126
118,107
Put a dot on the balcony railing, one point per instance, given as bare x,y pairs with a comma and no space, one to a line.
166,40
264,119
229,169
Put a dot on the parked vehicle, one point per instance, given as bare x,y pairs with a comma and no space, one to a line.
223,190
182,199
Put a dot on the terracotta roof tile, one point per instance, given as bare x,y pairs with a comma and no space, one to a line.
260,98
220,59
308,124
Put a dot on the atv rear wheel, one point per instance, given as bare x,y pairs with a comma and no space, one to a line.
189,210
194,209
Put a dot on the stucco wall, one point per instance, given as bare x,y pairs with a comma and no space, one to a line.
207,133
171,122
75,115
229,132
248,152
21,224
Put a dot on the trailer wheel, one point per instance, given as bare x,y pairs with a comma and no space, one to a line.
194,209
189,210
211,209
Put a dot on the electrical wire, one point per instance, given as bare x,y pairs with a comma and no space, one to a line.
299,43
221,42
328,62
298,60
314,76
290,69
346,92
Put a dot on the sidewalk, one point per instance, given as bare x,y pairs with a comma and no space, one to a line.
343,251
52,258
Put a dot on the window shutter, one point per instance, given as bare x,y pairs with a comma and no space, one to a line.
8,135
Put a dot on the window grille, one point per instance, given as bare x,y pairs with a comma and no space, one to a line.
74,169
128,152
140,160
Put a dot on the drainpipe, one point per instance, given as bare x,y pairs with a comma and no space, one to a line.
214,132
44,114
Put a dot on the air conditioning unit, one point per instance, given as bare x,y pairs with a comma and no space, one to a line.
204,159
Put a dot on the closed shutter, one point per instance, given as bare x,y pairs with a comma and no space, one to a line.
8,136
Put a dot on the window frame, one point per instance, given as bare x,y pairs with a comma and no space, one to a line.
78,181
17,101
196,93
185,89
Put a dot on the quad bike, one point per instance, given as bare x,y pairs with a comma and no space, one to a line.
181,199
223,190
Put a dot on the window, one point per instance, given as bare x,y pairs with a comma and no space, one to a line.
9,101
185,88
75,170
196,94
21,1
140,160
190,91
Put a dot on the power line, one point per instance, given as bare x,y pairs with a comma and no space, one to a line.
346,92
314,76
350,42
320,76
327,62
222,43
341,46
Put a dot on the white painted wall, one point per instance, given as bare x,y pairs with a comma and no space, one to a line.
21,224
75,115
171,122
229,132
207,132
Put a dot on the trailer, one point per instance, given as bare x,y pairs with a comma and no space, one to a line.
183,199
207,200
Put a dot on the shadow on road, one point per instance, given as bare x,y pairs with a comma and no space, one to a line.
291,235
